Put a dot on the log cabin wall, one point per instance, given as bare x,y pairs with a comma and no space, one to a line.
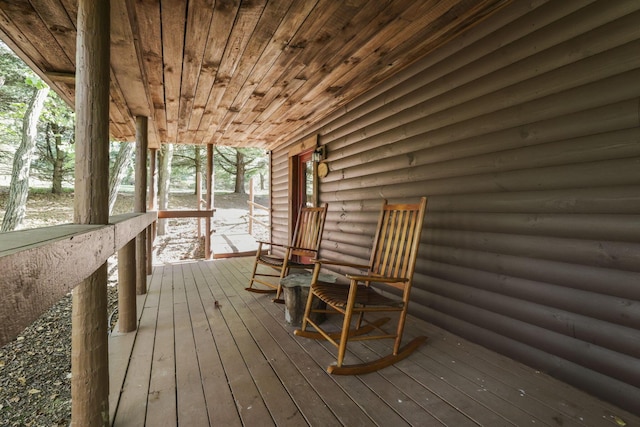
525,135
279,198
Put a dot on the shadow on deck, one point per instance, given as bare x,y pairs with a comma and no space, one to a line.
230,244
209,353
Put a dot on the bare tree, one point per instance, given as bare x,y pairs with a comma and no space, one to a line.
118,171
19,189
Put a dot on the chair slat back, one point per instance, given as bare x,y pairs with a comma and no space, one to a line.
397,239
308,232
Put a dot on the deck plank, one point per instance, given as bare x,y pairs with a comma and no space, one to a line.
558,400
220,401
249,402
120,346
270,315
132,405
517,403
377,414
277,400
161,405
238,363
192,409
289,364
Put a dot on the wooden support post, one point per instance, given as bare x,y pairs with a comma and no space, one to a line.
208,253
89,346
140,202
153,200
149,251
127,321
198,189
251,197
151,206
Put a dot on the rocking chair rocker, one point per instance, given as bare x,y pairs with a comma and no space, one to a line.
392,263
305,243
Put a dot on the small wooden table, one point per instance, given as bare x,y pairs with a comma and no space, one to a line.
296,291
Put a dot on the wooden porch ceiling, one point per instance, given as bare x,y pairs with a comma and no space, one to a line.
231,72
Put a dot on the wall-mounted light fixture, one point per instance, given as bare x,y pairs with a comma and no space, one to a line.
318,154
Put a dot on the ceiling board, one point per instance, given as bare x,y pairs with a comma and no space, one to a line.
242,73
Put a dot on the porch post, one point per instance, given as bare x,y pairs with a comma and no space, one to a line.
127,321
251,200
198,189
208,253
140,202
89,347
152,204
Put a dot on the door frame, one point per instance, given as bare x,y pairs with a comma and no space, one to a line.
297,153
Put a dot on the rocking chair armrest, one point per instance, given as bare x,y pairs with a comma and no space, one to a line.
340,263
374,278
299,248
283,245
271,244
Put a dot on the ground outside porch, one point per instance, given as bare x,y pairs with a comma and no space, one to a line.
209,353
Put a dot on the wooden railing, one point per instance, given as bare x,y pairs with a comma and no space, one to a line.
207,214
40,266
252,207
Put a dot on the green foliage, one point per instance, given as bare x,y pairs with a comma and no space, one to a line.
19,82
255,162
56,127
183,164
56,134
13,89
34,81
185,158
14,95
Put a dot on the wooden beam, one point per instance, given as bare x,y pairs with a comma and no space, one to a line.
67,78
185,213
89,347
41,265
129,225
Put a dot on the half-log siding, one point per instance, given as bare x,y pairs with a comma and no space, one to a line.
525,135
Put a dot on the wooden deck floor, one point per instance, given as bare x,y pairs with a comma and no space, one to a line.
226,244
195,362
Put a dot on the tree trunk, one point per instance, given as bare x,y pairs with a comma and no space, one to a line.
118,171
240,166
164,178
19,189
58,165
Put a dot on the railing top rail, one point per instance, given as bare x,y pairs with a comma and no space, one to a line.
186,213
39,266
259,206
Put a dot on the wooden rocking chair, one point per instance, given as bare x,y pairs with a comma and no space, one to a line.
393,260
305,243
